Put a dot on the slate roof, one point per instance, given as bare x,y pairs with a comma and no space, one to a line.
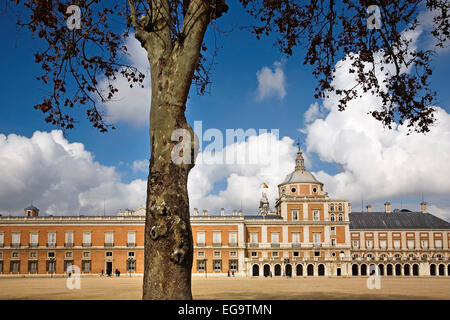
396,220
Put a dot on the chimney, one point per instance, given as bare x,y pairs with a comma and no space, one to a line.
234,213
240,213
369,208
349,207
222,212
195,212
205,213
387,207
423,205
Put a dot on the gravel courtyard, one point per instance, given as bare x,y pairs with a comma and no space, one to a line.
231,288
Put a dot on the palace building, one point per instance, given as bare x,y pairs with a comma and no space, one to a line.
308,234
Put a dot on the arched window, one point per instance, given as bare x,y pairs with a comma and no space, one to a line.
332,207
332,218
340,207
340,217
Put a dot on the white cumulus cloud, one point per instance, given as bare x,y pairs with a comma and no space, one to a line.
271,82
61,178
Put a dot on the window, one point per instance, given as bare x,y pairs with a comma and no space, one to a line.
332,207
233,265
355,244
295,215
369,243
217,265
33,254
15,266
86,254
253,237
275,254
333,254
424,243
438,243
333,218
14,254
201,254
109,238
200,265
86,266
1,266
317,237
410,244
67,264
315,215
69,238
2,239
1,255
383,244
51,239
397,243
217,254
233,254
131,254
293,190
232,238
15,239
340,217
217,238
295,254
51,266
69,254
333,231
33,238
86,238
109,253
200,238
316,253
131,266
295,237
333,242
254,254
51,254
340,207
274,237
131,238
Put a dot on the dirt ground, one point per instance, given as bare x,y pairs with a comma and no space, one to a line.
105,288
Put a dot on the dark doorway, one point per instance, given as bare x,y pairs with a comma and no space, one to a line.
415,270
288,270
299,270
381,270
321,270
310,270
355,270
338,272
406,270
277,270
109,268
398,269
363,270
389,270
432,270
441,270
266,270
255,270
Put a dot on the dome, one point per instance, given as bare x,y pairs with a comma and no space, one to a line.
300,175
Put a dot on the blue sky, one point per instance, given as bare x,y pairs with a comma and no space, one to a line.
233,103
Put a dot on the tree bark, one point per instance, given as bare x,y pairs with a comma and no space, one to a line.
168,237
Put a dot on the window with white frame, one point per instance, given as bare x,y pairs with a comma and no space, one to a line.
397,243
340,207
253,237
217,254
355,244
14,254
233,254
86,254
86,237
233,265
201,254
217,237
295,215
369,243
254,254
131,238
383,243
315,215
51,254
52,238
332,217
274,237
410,243
333,242
109,253
317,237
296,237
109,237
424,243
2,239
16,238
33,238
69,254
200,238
341,218
275,254
33,254
332,207
201,265
217,265
131,254
333,231
232,238
438,243
69,237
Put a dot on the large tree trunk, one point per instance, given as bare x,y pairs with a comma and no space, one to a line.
168,236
